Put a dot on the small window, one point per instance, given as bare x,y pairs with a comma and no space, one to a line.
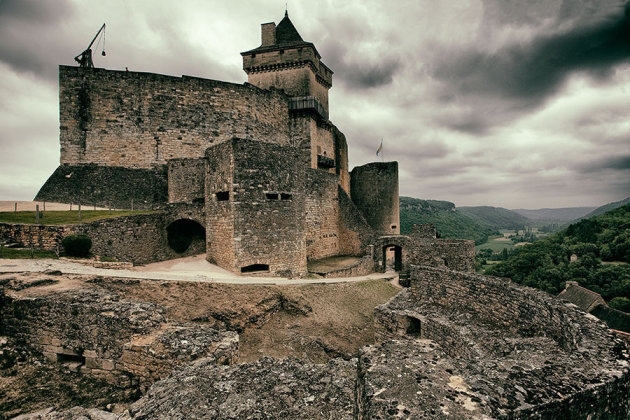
223,195
284,196
253,55
72,358
271,196
393,226
413,326
255,268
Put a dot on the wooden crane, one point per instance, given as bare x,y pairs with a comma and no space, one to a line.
85,58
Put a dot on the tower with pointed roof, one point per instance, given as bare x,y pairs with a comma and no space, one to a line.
285,61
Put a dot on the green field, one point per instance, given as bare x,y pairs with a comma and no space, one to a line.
64,217
14,253
496,244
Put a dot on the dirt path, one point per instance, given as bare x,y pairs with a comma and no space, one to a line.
195,269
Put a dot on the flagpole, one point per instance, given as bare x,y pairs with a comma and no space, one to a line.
382,151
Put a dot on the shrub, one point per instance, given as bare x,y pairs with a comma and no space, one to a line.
77,245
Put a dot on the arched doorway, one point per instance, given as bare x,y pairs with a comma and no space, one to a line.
392,258
185,235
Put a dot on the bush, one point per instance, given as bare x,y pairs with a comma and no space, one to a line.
620,303
77,245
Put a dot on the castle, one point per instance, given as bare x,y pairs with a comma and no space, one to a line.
260,167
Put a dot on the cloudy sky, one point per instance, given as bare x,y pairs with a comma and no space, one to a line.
511,103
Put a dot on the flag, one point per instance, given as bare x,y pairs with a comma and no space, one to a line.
380,148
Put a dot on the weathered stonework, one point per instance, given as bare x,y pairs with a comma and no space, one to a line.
255,208
374,189
129,344
186,180
139,239
106,186
471,346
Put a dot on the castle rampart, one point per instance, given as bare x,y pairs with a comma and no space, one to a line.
374,189
140,120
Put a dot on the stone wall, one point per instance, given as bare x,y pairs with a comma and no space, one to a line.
138,120
186,179
106,186
468,346
219,197
129,344
297,71
322,214
260,218
36,236
362,267
269,206
499,303
374,190
355,234
456,254
139,239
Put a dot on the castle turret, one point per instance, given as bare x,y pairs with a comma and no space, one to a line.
285,61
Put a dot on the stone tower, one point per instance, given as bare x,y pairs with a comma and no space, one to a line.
285,61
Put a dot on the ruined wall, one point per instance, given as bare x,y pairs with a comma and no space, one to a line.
135,344
138,120
106,186
509,351
374,189
322,214
456,254
497,302
186,178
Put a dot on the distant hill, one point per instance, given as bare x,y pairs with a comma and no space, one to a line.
450,222
602,246
607,207
560,215
495,217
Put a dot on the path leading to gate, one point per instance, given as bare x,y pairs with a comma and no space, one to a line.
195,269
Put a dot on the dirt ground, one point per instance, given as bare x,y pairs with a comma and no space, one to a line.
312,321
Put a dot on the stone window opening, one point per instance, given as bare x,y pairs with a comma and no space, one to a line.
393,226
68,357
223,195
413,327
285,196
272,196
255,268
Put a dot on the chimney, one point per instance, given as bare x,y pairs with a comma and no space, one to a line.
268,34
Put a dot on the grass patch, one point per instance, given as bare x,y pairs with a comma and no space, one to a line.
21,253
496,244
65,217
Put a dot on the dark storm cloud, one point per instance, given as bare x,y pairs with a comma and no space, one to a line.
529,72
616,163
33,10
26,26
359,71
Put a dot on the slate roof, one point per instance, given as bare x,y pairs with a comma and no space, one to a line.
583,298
286,37
286,32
